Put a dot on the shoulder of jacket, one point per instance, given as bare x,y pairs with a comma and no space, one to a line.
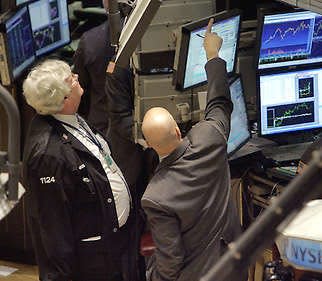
40,141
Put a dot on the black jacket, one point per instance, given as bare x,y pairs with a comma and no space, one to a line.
90,60
68,200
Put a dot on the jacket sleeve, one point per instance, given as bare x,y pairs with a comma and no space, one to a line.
167,261
219,105
118,88
49,219
83,77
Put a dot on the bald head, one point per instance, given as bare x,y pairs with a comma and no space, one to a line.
161,131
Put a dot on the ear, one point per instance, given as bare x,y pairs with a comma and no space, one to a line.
65,106
147,143
178,133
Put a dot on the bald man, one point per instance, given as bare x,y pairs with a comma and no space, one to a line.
187,202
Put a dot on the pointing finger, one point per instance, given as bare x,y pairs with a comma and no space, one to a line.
210,23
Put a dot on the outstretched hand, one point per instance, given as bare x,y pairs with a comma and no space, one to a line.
212,42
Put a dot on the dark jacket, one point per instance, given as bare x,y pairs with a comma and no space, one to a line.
69,199
90,60
187,202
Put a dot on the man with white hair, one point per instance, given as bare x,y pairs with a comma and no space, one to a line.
82,189
93,53
187,201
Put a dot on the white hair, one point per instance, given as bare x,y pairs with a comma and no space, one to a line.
45,87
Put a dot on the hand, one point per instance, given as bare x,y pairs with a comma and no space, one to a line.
212,42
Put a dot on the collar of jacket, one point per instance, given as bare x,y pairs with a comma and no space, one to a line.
65,136
174,155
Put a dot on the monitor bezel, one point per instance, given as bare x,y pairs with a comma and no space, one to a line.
267,12
9,15
289,136
233,80
184,45
60,46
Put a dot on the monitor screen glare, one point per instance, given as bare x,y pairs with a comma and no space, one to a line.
290,39
196,58
50,25
290,101
20,42
239,130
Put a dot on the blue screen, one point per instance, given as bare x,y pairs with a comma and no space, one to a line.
20,42
290,39
239,131
290,101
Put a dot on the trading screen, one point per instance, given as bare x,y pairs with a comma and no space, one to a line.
291,101
239,131
290,39
196,58
20,42
50,25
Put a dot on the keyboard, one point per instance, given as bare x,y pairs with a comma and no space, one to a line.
285,153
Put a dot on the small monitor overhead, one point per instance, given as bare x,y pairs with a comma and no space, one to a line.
290,101
290,39
50,25
239,129
18,41
190,70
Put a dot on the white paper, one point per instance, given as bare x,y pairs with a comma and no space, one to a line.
6,270
5,205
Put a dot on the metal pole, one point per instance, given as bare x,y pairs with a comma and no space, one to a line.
13,164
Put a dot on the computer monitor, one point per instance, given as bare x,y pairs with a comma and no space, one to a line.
190,54
50,25
17,45
290,102
289,39
239,129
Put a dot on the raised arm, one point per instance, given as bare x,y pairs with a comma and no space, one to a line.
219,105
118,88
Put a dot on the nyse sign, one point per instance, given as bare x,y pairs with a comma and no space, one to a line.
303,253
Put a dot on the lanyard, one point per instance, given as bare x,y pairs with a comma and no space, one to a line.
90,135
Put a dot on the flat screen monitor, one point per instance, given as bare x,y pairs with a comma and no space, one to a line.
290,101
17,37
190,71
289,39
50,25
239,129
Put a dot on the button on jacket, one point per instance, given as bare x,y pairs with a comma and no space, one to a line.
71,209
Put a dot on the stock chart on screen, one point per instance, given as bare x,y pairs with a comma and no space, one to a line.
290,39
290,101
